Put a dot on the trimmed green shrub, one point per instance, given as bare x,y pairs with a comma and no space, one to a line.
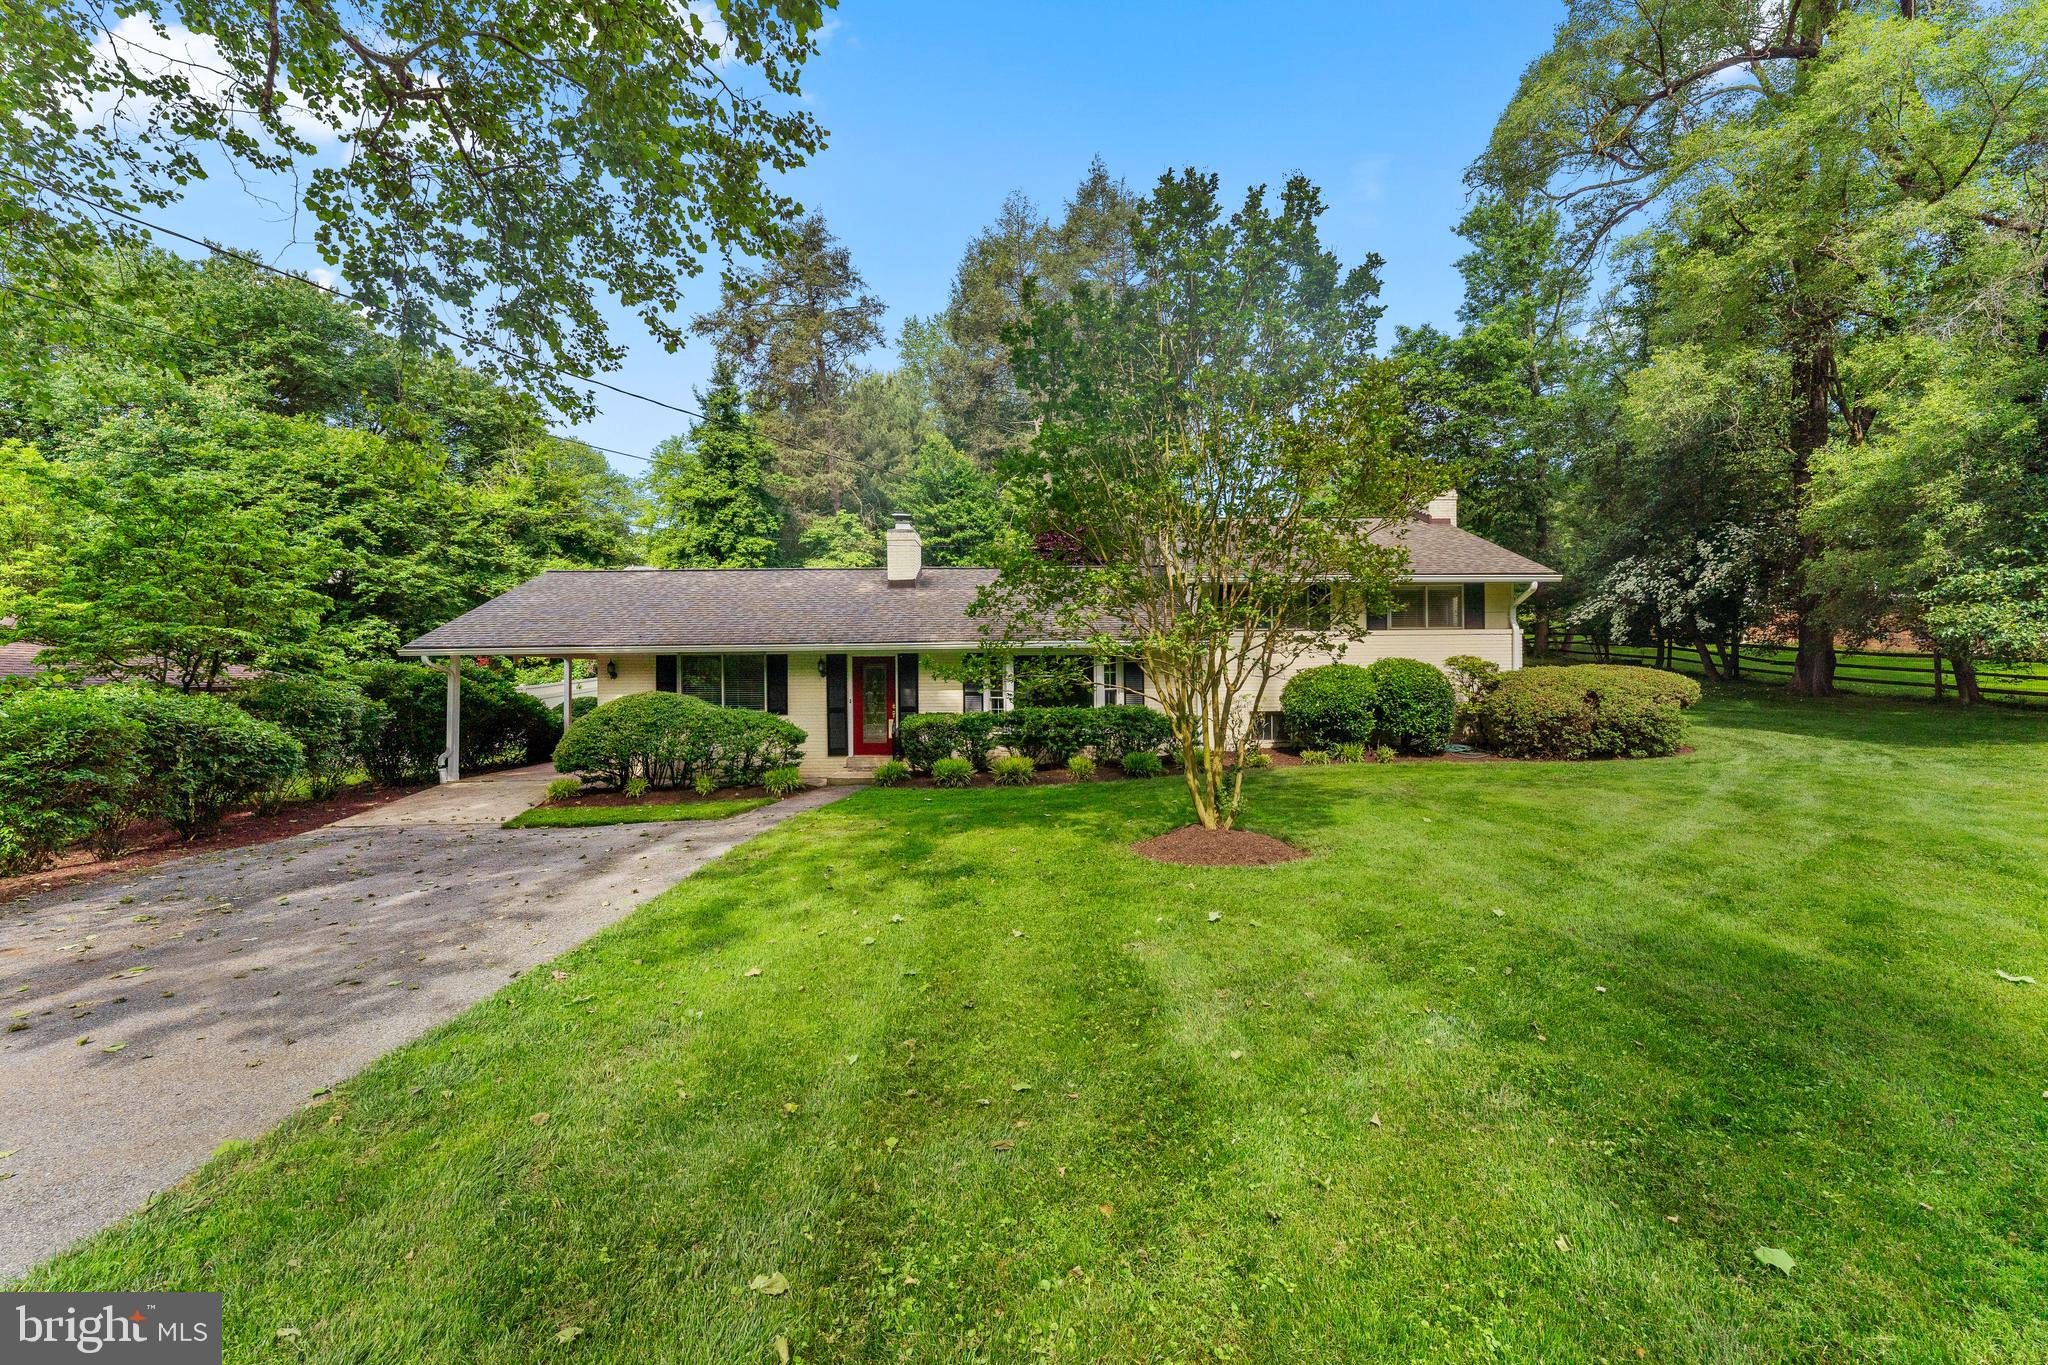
1315,758
563,788
1141,764
1081,766
670,739
199,755
1384,754
1130,729
1050,735
784,781
703,784
1583,711
581,707
892,774
636,786
1258,758
1014,770
1472,676
1327,705
952,772
977,734
1414,708
1347,753
928,738
328,718
67,772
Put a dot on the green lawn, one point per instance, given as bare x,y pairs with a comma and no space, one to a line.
576,817
1382,1108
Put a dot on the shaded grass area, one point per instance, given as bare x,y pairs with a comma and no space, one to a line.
1380,1108
575,817
1866,672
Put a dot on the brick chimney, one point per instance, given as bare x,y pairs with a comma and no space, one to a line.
1443,509
906,553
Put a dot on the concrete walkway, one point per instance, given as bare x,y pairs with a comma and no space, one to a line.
153,1017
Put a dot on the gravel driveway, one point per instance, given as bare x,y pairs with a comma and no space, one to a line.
153,1017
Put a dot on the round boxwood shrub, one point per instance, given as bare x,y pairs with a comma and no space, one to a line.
1414,707
1328,705
199,755
928,738
328,718
1584,711
670,740
67,772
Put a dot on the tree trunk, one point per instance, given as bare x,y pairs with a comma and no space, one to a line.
1940,688
1542,633
1813,672
1966,679
1699,644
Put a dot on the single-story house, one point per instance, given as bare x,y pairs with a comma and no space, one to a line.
846,653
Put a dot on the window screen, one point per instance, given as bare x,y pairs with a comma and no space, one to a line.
1408,609
1446,607
746,682
697,676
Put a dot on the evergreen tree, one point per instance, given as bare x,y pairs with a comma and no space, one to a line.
707,494
959,511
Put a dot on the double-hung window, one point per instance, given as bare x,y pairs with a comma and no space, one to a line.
1435,607
739,680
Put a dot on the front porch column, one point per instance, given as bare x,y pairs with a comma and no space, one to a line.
1009,684
1098,673
451,757
568,692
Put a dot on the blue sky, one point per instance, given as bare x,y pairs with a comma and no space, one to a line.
938,110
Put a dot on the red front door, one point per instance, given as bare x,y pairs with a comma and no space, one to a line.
874,705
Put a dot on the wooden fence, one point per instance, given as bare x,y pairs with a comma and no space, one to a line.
1925,674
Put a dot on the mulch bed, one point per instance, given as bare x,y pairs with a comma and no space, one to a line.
1194,846
154,843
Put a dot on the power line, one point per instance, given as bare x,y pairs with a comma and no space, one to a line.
182,339
249,258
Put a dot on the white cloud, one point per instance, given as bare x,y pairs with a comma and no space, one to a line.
177,50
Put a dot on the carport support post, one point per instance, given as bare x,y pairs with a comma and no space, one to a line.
451,757
568,691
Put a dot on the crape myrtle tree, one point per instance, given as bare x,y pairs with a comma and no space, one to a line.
490,159
1214,443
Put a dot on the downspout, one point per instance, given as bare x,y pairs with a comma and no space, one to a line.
1515,622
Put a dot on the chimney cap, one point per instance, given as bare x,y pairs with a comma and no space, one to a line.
902,521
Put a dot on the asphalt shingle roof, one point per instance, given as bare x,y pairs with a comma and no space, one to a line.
625,610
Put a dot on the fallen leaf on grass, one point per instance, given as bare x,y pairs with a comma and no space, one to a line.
1775,1257
1562,1244
781,1345
1375,1121
1021,1085
1236,1053
2004,975
539,1119
568,1334
1215,915
774,1286
287,1333
1002,1144
751,971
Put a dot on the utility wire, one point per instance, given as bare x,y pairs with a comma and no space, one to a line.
249,258
140,325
